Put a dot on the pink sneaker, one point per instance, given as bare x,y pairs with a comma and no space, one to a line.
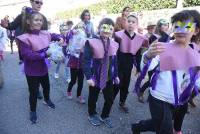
81,100
177,132
69,95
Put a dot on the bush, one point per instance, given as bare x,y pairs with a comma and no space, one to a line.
115,6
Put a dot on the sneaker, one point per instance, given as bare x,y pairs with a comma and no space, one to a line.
69,95
123,108
39,95
33,117
49,103
68,80
95,120
56,75
81,100
107,121
135,129
191,102
175,132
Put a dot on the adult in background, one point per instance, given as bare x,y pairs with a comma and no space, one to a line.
121,21
86,19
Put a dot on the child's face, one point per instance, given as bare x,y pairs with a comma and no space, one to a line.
106,30
132,24
164,27
63,30
151,29
36,22
184,30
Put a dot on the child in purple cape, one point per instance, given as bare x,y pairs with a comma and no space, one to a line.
34,45
175,77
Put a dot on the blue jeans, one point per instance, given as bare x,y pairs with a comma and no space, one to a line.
67,69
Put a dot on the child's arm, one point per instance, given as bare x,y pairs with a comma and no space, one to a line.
28,54
87,61
154,62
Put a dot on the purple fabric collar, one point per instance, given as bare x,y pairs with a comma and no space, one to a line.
36,32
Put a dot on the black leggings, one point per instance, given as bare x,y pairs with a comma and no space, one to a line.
76,73
33,86
162,115
124,76
108,97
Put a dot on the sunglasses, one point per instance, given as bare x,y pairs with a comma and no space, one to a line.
38,2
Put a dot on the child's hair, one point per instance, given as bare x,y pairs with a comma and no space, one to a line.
159,25
69,22
28,15
83,14
106,21
192,15
134,16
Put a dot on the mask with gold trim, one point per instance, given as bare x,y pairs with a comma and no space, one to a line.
184,26
106,28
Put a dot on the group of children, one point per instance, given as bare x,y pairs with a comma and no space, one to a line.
107,59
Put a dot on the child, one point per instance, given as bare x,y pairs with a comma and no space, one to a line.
63,30
174,78
3,41
76,45
129,52
150,29
33,45
159,35
100,68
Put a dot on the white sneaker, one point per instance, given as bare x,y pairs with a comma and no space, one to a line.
56,75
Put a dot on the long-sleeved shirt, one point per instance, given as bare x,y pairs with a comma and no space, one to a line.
92,66
35,61
164,90
3,38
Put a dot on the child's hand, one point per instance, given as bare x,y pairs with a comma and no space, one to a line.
61,41
91,82
48,53
155,49
117,81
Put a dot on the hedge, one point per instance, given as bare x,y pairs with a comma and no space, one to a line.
115,6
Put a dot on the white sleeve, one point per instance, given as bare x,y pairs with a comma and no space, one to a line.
154,62
3,38
197,83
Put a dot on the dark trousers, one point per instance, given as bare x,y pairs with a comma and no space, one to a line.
11,44
76,74
93,97
162,115
124,76
33,86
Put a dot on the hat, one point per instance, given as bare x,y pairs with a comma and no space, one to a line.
151,23
163,21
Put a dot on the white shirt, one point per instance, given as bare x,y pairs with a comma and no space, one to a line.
164,87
